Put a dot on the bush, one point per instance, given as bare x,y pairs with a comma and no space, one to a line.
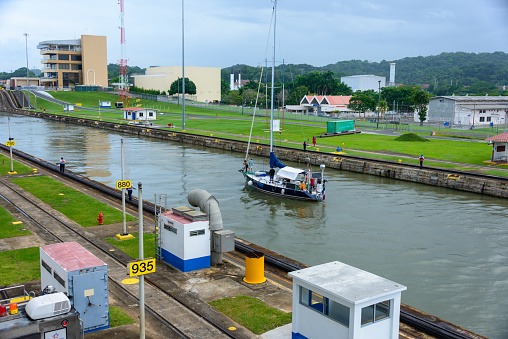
411,137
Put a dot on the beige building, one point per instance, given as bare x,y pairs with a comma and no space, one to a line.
67,63
206,79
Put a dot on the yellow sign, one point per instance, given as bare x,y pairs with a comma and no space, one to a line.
141,267
123,184
10,143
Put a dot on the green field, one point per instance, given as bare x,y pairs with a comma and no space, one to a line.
77,206
208,122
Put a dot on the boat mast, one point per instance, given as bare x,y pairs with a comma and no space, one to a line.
273,77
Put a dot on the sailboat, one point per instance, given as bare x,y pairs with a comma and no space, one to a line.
287,182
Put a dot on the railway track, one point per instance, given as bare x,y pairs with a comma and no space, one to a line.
62,231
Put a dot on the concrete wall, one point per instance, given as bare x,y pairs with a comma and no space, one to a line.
94,60
463,182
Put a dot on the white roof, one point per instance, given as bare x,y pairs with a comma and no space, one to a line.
289,172
346,282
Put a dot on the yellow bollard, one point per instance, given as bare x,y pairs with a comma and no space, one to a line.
34,170
317,149
254,268
400,161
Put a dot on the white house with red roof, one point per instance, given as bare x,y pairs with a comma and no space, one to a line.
319,104
500,147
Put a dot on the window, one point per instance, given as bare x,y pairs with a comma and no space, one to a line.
150,114
482,119
489,118
170,228
63,57
76,57
59,279
140,113
196,233
46,266
76,67
501,148
376,312
63,66
327,307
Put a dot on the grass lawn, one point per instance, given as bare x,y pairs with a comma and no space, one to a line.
5,166
7,229
496,172
131,246
252,313
117,317
19,266
77,206
292,135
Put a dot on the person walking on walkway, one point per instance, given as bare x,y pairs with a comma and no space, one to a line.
62,165
314,140
129,192
305,145
421,160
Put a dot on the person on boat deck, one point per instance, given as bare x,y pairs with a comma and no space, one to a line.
319,186
251,164
245,165
271,173
305,145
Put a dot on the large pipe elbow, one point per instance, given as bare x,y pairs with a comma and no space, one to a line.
207,204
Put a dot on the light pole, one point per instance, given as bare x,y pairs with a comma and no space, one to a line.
378,102
27,78
183,72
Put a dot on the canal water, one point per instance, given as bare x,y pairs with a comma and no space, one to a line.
450,248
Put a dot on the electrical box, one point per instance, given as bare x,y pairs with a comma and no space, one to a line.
83,277
223,241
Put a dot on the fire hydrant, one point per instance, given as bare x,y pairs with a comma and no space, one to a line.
100,218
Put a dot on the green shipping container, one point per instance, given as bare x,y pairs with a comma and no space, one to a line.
338,126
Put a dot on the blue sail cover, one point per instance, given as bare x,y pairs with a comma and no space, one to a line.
274,162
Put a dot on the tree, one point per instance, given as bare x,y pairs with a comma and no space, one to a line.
420,100
176,87
361,103
296,96
343,89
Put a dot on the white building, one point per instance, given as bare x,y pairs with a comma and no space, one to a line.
499,147
364,82
138,113
335,300
206,79
468,110
316,104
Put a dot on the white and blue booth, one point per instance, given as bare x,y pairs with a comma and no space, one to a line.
73,270
68,108
185,238
335,300
138,113
104,103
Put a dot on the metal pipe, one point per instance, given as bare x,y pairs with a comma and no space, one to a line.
141,257
124,229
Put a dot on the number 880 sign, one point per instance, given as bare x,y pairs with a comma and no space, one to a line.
141,267
123,184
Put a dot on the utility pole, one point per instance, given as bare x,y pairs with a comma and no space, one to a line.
183,70
27,77
378,102
141,257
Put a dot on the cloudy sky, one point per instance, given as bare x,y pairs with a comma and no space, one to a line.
221,33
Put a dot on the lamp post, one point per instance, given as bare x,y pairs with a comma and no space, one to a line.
27,78
183,72
378,102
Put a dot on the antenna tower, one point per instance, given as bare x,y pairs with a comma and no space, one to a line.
124,75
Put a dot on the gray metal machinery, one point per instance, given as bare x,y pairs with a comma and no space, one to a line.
23,316
222,241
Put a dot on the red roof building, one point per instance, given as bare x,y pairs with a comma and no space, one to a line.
321,104
499,147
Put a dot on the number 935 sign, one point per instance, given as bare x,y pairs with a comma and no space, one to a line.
141,267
